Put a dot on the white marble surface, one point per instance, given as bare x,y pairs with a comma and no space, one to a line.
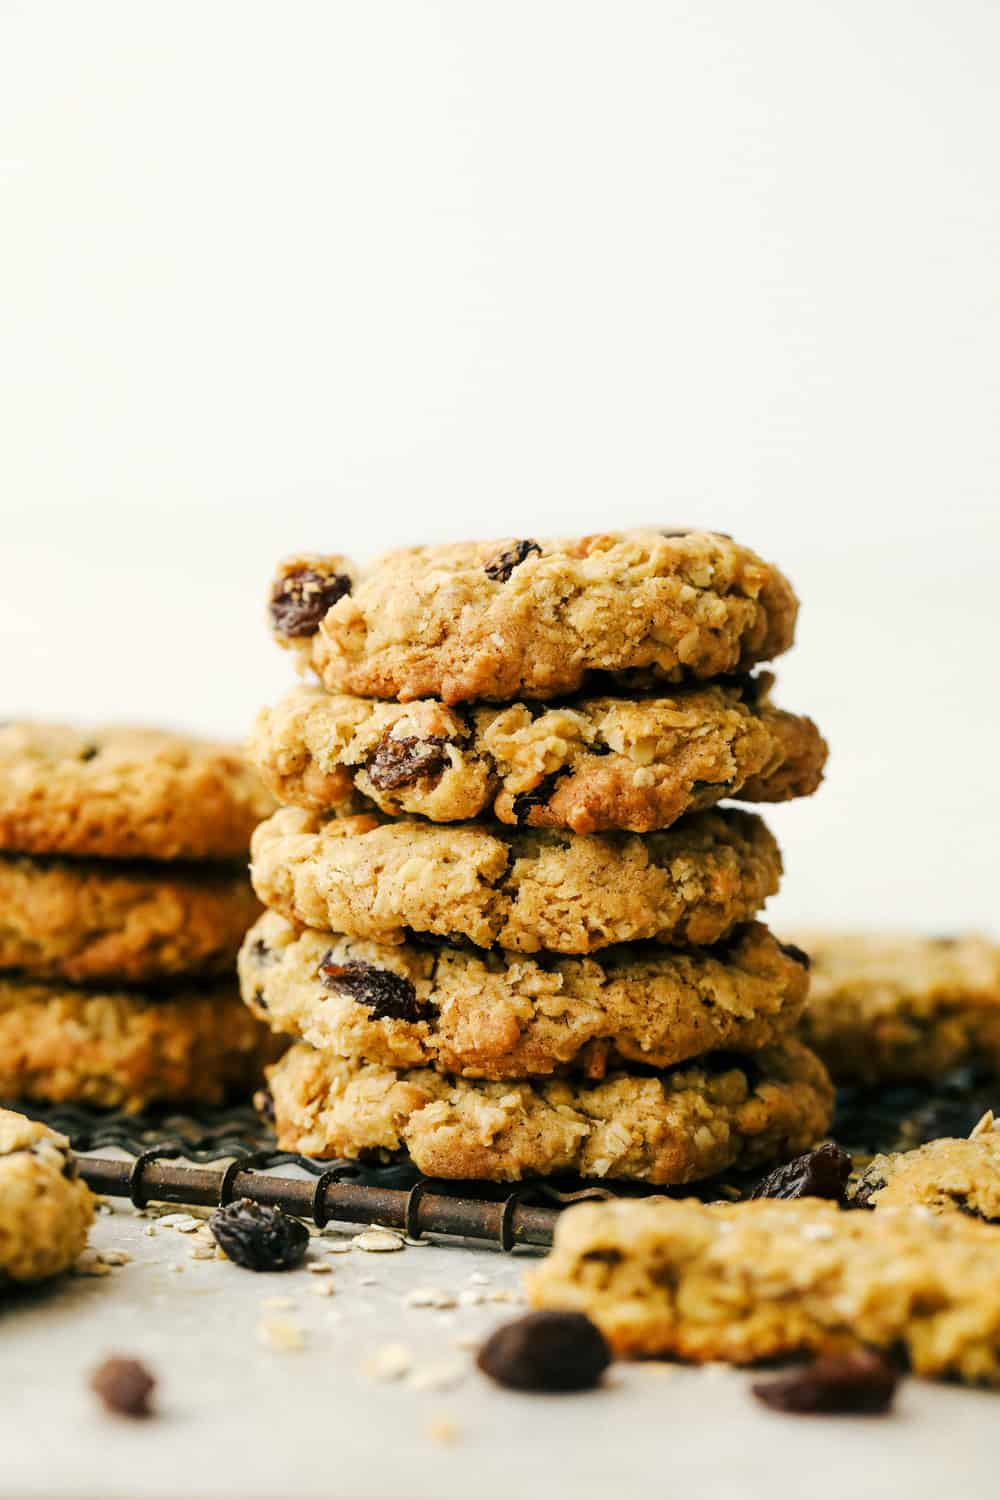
238,1421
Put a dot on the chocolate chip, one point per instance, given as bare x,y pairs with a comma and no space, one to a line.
861,1384
259,1238
822,1173
401,762
790,950
389,996
125,1386
546,1351
502,566
538,796
300,599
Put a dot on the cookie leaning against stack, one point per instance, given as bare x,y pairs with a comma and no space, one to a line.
510,928
122,906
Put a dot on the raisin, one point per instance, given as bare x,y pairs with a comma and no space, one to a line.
389,996
861,1384
790,950
259,1001
89,752
546,1351
502,566
125,1386
301,599
259,1238
401,762
262,954
822,1173
538,796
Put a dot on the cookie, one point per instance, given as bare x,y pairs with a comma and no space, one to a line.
120,1049
125,794
751,1281
898,1008
661,1127
95,920
522,889
502,1015
45,1208
946,1176
500,620
590,765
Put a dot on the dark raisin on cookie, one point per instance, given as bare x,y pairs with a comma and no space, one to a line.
800,956
401,762
259,1238
500,568
387,995
300,599
537,796
822,1173
861,1384
546,1351
125,1386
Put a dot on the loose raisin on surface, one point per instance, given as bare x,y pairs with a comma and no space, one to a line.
861,1384
502,566
259,1238
793,951
125,1386
389,996
301,599
546,1351
401,762
822,1173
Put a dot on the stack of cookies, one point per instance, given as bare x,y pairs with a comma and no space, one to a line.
508,923
123,901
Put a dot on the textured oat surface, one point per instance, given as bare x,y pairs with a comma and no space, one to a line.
504,1015
123,1049
590,764
896,1007
948,1176
527,618
752,1281
94,919
45,1210
671,1127
127,793
521,889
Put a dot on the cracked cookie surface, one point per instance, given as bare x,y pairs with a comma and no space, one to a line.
504,619
45,1207
90,920
750,1281
121,1049
894,1007
502,1015
521,889
667,1127
590,765
947,1176
125,794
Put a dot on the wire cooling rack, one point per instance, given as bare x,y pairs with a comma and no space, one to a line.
215,1156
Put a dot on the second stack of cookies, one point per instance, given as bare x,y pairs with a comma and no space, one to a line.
509,925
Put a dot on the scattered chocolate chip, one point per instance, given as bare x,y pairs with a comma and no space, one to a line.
790,950
125,1386
538,796
822,1173
502,566
389,996
401,762
861,1384
546,1351
300,599
259,1238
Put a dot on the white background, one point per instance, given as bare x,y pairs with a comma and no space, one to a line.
337,276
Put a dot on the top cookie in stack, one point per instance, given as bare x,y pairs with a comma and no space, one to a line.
123,901
591,936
